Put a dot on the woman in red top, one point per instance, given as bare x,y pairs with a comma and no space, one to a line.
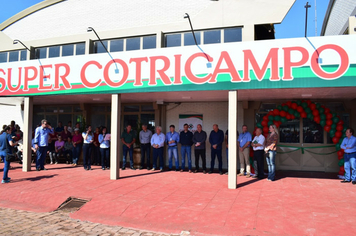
270,150
77,141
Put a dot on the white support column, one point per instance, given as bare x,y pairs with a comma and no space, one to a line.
233,154
27,133
115,151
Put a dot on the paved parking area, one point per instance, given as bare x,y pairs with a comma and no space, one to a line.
297,203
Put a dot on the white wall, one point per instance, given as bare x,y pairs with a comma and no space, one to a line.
213,113
9,113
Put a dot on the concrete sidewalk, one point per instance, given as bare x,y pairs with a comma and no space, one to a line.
297,203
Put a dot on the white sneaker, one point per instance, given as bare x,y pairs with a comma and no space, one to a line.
51,163
56,163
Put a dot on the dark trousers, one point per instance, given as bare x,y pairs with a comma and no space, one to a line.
214,153
41,156
76,153
126,150
200,153
87,149
105,157
96,150
146,153
259,157
158,152
68,154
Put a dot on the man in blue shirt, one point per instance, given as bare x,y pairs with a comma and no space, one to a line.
244,141
186,140
41,143
172,139
216,138
349,146
6,144
157,143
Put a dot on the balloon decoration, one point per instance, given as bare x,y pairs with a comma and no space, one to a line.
330,121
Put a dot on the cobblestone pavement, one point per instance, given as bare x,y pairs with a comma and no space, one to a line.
16,222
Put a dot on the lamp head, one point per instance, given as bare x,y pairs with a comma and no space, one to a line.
90,29
186,16
15,41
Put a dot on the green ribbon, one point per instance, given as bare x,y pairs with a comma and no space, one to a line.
305,149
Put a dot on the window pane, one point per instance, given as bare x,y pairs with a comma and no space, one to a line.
51,109
117,45
312,132
96,109
189,39
97,120
132,108
41,53
149,42
38,109
53,51
232,35
98,47
147,108
132,44
65,109
289,131
212,36
67,50
131,120
3,57
23,55
14,56
173,40
80,49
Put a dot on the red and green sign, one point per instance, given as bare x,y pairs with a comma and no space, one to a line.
288,63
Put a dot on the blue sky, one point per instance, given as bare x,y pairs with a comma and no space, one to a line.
292,26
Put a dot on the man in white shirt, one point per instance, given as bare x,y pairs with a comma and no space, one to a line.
258,153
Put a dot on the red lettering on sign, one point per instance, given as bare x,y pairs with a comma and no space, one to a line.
177,68
288,64
124,77
260,72
344,64
27,77
41,86
166,63
189,73
138,61
85,82
9,85
224,56
2,81
66,84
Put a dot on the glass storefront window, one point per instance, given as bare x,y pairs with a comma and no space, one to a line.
131,108
212,36
232,35
53,51
189,39
52,109
80,49
133,44
116,45
14,56
67,50
173,40
147,108
149,42
98,109
289,131
23,55
65,109
312,132
3,57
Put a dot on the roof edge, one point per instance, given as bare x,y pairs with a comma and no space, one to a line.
28,11
326,18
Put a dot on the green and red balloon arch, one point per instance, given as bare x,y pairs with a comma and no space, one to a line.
320,114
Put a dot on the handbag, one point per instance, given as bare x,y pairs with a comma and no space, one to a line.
10,157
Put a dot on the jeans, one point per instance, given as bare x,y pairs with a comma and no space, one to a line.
125,150
146,152
87,149
41,156
214,153
6,166
350,162
259,169
96,150
158,152
271,158
76,153
68,154
105,157
186,150
54,155
197,153
173,151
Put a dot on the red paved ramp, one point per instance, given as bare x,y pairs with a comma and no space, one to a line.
295,204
